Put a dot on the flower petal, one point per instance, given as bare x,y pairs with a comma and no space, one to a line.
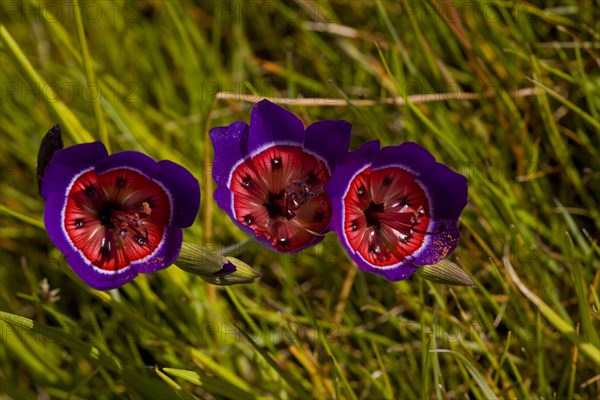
128,159
184,192
328,139
394,273
97,278
446,191
437,246
53,220
348,165
67,163
222,196
408,155
227,143
165,255
269,124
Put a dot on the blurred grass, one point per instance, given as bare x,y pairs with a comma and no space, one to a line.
312,327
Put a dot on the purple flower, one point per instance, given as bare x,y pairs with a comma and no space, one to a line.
272,175
116,216
396,208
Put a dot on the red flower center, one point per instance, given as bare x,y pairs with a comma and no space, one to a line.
116,218
280,194
386,215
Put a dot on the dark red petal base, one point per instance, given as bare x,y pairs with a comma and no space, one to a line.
386,215
116,218
280,194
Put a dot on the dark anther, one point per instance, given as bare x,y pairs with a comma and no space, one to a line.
247,182
106,247
319,216
79,223
276,162
361,191
139,239
248,220
90,191
121,182
354,225
289,214
387,181
283,242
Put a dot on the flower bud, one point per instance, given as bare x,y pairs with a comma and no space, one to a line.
445,272
213,267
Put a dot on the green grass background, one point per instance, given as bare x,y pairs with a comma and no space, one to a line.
145,77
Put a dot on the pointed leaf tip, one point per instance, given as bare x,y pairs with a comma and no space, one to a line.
445,272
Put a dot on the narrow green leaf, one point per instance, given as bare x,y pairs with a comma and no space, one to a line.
477,376
588,349
211,384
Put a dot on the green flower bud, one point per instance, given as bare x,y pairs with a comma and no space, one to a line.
445,272
213,267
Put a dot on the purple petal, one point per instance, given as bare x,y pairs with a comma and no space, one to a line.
228,268
67,163
165,255
129,159
393,273
328,139
53,220
184,192
227,143
222,196
96,278
270,124
348,165
408,155
400,271
446,191
438,246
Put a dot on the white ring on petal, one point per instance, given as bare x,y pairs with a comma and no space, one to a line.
131,263
342,198
426,241
267,147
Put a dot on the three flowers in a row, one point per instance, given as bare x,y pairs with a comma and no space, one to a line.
394,209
